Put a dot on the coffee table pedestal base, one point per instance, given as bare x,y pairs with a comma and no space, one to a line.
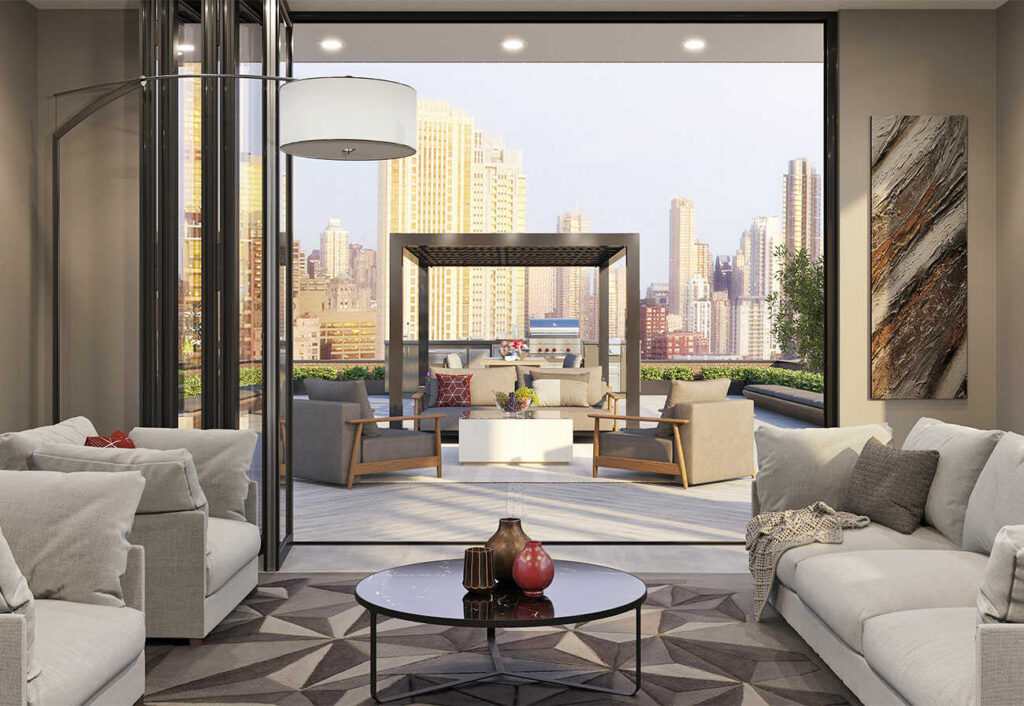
499,671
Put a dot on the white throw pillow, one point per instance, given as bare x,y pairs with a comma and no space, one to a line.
223,458
1001,597
172,484
69,532
963,452
17,446
15,597
998,497
798,467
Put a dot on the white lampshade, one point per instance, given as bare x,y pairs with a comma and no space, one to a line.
348,118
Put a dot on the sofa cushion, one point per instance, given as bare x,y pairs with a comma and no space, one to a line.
998,497
561,393
846,589
798,467
395,444
691,391
450,421
223,458
642,444
927,655
856,540
592,376
81,648
890,485
69,531
963,452
16,597
344,391
1001,597
17,446
230,545
171,481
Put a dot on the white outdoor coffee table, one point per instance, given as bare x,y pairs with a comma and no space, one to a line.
541,436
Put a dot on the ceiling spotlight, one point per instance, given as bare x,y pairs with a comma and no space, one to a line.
694,44
331,44
513,44
182,48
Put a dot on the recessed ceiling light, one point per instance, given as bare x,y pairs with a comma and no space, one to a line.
331,44
694,44
513,44
182,48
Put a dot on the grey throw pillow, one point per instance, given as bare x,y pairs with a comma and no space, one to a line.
17,446
798,467
223,458
890,485
998,497
172,483
963,452
691,391
15,597
1001,596
69,532
344,391
572,360
453,360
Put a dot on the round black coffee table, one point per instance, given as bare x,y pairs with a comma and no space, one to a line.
432,592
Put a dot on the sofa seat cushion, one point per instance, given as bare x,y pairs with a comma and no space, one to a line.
450,422
927,655
847,589
581,420
395,444
873,536
81,647
640,444
230,545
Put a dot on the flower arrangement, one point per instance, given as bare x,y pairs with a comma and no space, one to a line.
512,349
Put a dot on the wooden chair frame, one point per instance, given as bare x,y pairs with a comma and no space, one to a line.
358,468
635,464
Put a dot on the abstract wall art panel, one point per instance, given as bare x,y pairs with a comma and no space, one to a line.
918,257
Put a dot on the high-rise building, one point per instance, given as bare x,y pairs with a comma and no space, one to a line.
658,292
334,249
300,265
678,345
698,305
616,303
306,337
652,323
569,281
461,180
722,277
801,210
750,329
682,241
721,323
540,292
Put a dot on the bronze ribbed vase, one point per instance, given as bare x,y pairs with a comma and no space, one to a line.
507,542
478,570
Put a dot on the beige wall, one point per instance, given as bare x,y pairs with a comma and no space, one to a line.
17,206
939,63
1010,213
100,219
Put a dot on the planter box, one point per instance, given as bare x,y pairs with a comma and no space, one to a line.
375,387
655,387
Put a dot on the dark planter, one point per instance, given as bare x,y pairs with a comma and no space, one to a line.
298,388
375,387
736,387
655,387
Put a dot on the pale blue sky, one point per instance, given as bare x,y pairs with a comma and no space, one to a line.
618,140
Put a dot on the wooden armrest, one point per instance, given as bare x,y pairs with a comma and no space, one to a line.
615,395
628,418
396,419
419,394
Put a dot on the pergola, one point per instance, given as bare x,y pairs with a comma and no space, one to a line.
598,250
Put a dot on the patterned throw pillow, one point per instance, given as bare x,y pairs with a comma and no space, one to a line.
117,440
890,486
453,390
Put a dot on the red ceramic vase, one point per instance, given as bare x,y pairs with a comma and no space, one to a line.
533,569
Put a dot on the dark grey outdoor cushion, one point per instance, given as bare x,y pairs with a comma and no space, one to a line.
344,391
395,444
890,485
640,444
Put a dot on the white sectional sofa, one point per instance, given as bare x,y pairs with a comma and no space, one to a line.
896,616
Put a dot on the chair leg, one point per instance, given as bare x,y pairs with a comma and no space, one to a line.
437,444
597,443
353,462
679,455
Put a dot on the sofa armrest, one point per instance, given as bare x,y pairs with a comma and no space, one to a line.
13,658
999,652
133,583
252,504
718,444
321,440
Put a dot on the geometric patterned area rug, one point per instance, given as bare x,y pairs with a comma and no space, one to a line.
301,639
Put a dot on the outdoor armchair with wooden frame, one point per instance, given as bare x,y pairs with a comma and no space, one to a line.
357,467
676,467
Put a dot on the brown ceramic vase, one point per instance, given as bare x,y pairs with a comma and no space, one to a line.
507,542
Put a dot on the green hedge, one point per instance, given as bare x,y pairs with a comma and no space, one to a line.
800,379
669,372
191,384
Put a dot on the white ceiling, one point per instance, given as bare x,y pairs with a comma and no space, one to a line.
579,5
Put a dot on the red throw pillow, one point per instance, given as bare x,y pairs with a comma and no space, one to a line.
117,440
453,390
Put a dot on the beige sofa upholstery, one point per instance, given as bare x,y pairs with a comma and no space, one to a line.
88,654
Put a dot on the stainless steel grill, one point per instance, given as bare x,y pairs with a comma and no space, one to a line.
554,338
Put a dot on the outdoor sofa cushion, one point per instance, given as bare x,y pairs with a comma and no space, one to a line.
798,467
790,394
71,538
640,444
81,648
561,393
482,386
996,499
927,655
846,589
344,391
171,480
17,446
395,444
690,391
223,458
872,537
230,545
963,452
1001,597
593,377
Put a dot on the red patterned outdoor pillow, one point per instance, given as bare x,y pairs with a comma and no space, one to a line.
453,390
117,440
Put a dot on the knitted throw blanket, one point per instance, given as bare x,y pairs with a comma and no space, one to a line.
772,533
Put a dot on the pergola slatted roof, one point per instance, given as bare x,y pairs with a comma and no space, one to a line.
490,255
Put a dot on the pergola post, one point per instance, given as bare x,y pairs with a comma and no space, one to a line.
396,257
603,324
632,342
423,319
